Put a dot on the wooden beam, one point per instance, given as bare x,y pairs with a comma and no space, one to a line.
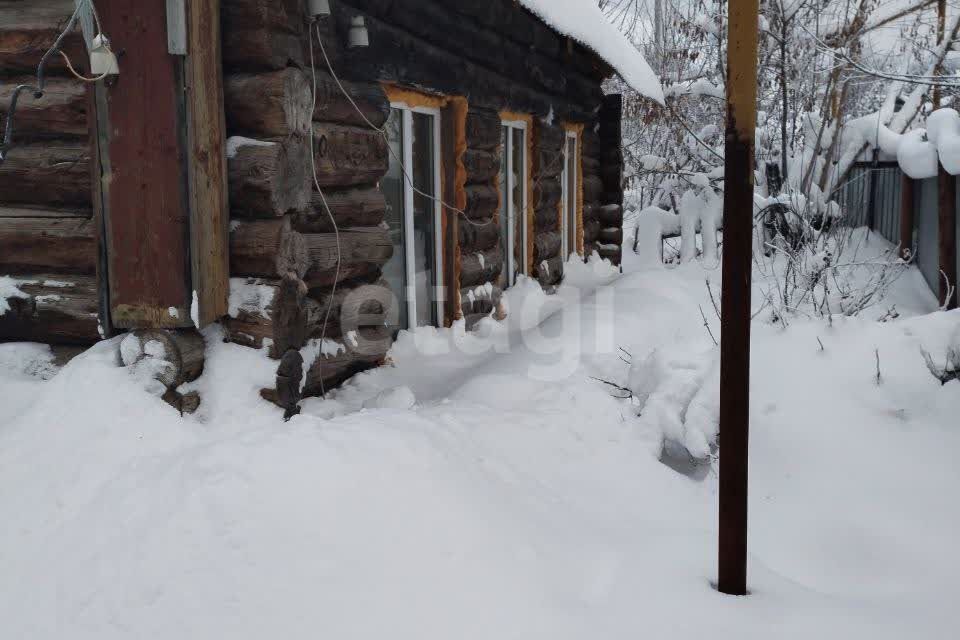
142,144
737,270
207,163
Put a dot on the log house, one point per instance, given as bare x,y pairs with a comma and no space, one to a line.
466,145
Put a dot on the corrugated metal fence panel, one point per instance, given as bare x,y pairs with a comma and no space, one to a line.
927,235
883,183
887,222
853,197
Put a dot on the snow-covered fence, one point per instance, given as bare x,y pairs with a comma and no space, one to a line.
872,198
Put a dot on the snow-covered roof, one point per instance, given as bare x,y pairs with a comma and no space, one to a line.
583,21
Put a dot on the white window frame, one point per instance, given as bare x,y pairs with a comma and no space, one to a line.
410,250
511,228
569,164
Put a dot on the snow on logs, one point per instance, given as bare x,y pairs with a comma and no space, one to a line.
171,358
51,308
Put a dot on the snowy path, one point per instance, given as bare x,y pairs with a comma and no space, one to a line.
518,499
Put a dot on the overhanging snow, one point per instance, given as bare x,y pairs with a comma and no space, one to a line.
583,21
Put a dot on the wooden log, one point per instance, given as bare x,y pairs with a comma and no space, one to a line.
592,188
547,194
611,252
550,163
267,249
267,105
370,245
250,318
334,107
28,211
482,202
611,235
277,15
41,245
546,246
47,174
289,315
611,215
289,378
29,28
353,308
591,230
347,156
551,137
174,357
274,312
482,166
328,372
549,272
60,113
484,300
547,219
55,309
268,180
262,36
360,207
480,236
483,130
480,268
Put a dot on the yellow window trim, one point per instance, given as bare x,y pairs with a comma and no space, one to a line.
513,116
577,128
453,119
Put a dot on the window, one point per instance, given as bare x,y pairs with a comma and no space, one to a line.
414,273
513,200
571,195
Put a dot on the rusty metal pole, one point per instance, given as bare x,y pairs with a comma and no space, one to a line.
737,265
946,196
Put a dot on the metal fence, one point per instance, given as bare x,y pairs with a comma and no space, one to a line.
871,198
877,186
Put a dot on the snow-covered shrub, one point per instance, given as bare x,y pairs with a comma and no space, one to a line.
810,263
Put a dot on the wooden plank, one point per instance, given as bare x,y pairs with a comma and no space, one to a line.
207,166
146,224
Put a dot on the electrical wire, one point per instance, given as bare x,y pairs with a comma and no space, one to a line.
38,91
323,199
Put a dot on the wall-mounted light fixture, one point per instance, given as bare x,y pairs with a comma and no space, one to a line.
358,37
318,8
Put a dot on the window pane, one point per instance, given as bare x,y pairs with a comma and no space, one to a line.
504,212
394,272
572,191
518,185
424,209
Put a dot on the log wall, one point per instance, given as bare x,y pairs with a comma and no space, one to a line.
48,242
285,238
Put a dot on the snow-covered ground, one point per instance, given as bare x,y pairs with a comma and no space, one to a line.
485,486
